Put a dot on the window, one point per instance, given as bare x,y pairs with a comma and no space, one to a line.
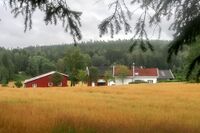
34,85
150,81
136,74
50,84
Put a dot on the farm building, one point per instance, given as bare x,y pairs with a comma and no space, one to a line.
149,75
45,80
135,74
165,75
101,81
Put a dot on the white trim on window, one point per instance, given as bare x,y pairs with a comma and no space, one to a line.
150,81
50,84
34,85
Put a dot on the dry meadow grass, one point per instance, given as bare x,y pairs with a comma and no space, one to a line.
149,108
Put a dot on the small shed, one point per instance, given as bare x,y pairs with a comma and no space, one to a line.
101,82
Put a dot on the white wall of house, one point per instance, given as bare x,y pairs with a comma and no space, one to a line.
127,80
147,78
111,83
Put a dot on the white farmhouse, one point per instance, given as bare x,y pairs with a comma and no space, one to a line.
149,75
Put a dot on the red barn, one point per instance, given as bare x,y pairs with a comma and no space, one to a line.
44,80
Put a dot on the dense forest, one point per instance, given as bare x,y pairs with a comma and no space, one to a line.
21,63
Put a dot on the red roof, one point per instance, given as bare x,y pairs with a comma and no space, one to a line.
140,72
146,72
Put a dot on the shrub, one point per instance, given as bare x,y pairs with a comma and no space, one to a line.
18,84
4,85
138,82
169,81
4,82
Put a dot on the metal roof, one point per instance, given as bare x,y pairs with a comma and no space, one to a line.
44,75
165,74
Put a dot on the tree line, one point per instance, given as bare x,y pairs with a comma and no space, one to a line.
32,61
185,16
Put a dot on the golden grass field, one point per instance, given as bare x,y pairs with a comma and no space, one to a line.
144,108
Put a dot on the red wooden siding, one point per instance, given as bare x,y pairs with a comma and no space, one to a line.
43,81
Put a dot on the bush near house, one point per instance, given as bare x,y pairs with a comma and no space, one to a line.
138,82
4,82
18,84
4,85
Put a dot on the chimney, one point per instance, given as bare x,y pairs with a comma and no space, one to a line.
113,70
88,71
133,69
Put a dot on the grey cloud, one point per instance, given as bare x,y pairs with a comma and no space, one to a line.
12,30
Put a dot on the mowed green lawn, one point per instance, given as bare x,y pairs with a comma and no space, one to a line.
145,108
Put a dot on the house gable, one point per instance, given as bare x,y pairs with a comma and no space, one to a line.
44,80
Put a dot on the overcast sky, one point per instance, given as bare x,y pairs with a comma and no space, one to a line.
12,29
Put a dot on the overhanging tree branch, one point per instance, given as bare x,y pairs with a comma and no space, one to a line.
55,10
